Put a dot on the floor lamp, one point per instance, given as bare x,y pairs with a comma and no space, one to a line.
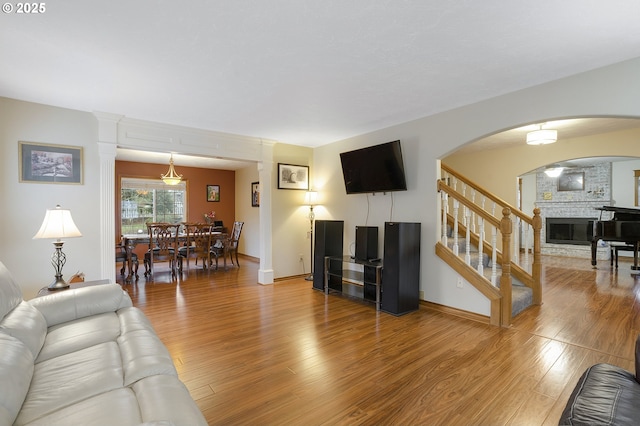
310,199
58,224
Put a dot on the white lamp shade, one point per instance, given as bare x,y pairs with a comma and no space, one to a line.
542,137
58,223
311,198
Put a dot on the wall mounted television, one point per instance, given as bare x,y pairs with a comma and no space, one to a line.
377,168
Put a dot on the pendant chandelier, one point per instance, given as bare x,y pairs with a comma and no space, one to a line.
171,177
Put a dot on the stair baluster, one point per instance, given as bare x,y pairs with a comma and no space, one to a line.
481,245
516,241
494,255
445,207
467,236
456,206
473,214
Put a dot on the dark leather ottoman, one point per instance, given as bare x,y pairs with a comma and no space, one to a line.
605,395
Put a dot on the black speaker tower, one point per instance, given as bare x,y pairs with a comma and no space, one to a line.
328,242
401,272
366,242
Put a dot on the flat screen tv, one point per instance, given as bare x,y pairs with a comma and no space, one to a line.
377,168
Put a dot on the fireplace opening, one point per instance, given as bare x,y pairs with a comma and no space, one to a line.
569,230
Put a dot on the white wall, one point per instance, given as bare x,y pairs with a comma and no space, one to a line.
250,237
24,204
528,193
608,91
290,218
623,181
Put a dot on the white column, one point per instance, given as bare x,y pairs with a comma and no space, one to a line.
265,172
107,144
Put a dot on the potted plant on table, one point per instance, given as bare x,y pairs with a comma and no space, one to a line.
209,217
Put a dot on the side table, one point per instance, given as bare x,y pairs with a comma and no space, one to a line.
45,290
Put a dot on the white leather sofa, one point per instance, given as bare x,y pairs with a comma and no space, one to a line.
85,356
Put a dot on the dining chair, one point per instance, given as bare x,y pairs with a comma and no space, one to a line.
121,256
229,245
163,246
197,246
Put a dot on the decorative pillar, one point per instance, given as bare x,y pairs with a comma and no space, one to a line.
265,172
107,145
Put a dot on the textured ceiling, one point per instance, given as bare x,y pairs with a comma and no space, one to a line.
300,71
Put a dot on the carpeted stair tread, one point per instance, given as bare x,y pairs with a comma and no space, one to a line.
521,295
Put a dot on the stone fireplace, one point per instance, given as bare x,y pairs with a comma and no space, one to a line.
566,214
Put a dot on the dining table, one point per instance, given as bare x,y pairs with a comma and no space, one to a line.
130,241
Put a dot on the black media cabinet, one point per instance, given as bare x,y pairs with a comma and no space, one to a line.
394,287
369,276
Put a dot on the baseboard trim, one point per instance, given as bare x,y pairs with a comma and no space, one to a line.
456,312
292,277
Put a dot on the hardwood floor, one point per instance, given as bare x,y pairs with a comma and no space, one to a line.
285,354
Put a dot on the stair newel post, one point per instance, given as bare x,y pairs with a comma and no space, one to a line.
536,268
506,228
456,207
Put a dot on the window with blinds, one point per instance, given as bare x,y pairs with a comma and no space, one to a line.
150,200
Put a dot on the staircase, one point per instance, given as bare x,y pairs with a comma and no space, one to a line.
505,266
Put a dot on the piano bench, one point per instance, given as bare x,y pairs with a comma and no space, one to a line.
616,247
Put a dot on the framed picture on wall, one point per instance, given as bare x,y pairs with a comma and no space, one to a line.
293,177
255,194
572,181
45,163
213,192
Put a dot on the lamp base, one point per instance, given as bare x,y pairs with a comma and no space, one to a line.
309,277
58,284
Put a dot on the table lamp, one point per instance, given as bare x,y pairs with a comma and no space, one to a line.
58,224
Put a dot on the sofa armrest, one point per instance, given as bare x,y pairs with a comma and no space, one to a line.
81,302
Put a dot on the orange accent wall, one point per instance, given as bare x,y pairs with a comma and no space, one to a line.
197,180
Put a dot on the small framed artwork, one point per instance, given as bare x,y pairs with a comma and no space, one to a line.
213,192
293,177
45,163
573,181
255,194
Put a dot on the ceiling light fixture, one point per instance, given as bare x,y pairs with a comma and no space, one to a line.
553,172
171,177
542,136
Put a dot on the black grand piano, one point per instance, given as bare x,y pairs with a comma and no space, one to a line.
624,227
